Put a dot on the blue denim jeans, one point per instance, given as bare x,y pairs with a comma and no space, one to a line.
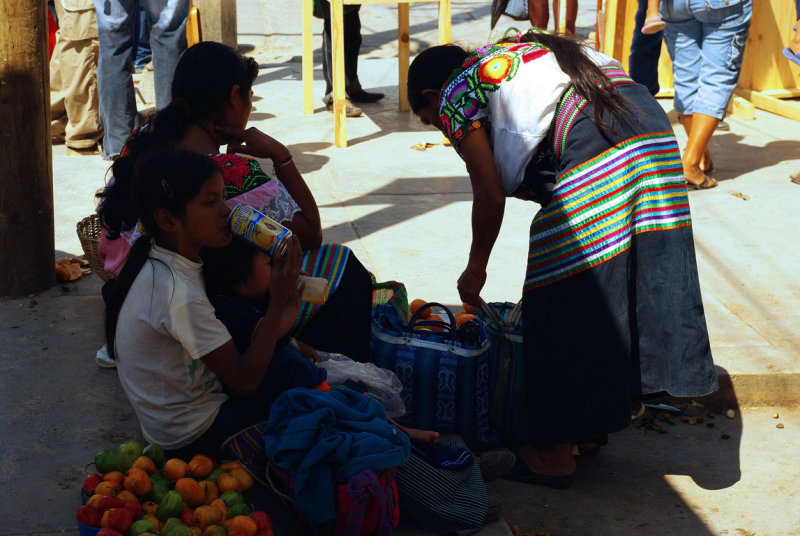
115,25
705,39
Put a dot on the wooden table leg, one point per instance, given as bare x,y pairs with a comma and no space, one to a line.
337,63
308,59
444,22
402,54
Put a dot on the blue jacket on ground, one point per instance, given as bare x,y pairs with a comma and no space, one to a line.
314,435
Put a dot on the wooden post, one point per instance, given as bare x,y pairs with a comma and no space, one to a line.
445,35
337,62
27,242
402,54
218,21
308,58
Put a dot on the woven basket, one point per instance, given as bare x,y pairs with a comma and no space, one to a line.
89,230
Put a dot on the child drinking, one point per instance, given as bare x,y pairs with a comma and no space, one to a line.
172,354
237,281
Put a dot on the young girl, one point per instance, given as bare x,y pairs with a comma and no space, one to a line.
172,353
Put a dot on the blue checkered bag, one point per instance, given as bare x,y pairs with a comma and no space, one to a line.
445,380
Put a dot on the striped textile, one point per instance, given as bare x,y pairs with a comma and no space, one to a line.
572,104
442,500
328,261
597,207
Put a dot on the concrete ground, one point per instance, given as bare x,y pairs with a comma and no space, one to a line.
406,215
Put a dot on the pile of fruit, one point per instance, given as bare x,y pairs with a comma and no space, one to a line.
135,492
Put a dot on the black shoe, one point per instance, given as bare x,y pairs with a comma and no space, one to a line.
364,96
494,511
349,109
495,463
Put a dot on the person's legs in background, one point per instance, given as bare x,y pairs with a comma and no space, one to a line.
538,13
645,52
571,16
167,22
722,45
143,54
352,47
114,72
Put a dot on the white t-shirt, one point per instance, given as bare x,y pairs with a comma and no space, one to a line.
165,325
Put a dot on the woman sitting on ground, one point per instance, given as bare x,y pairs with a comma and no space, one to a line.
212,99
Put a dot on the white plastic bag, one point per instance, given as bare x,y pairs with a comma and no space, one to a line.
382,384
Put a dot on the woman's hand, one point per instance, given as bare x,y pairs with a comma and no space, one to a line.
283,287
470,284
253,142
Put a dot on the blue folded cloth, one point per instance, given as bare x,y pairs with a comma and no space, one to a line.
313,435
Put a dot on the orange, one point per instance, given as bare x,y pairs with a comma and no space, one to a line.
438,319
200,465
205,516
220,505
126,496
210,491
243,477
114,476
463,317
227,466
94,499
137,482
416,304
145,463
468,308
190,491
227,482
196,531
175,469
243,524
106,488
149,507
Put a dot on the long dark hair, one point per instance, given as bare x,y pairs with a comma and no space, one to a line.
204,77
163,177
434,66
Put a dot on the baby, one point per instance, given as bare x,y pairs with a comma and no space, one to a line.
237,281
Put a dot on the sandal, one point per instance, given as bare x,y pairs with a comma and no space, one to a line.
707,184
520,472
653,25
795,177
592,447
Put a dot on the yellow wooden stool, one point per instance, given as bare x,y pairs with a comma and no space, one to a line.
337,42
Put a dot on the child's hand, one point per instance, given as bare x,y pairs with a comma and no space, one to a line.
283,287
307,352
254,143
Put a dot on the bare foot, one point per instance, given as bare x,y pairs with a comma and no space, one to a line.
694,175
426,436
706,165
551,461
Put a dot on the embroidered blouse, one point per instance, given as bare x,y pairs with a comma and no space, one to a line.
511,90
